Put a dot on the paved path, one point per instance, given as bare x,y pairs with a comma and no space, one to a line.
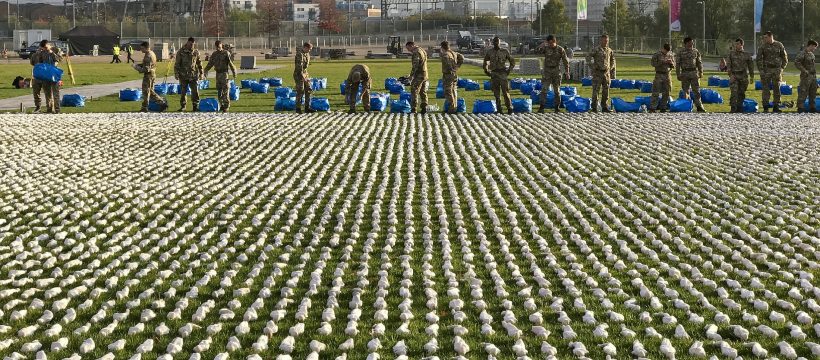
104,89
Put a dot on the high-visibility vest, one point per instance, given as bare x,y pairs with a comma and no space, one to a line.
116,50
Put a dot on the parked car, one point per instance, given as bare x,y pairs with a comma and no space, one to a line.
26,53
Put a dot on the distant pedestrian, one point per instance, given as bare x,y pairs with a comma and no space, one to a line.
129,51
116,52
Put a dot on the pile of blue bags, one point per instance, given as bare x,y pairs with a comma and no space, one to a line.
471,85
578,104
379,101
72,100
246,84
209,105
522,105
259,88
393,86
130,95
317,84
274,82
283,92
285,104
484,107
320,104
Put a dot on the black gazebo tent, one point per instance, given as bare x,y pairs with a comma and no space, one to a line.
81,40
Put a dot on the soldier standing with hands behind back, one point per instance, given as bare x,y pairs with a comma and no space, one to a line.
771,60
221,61
554,57
690,70
188,70
663,63
603,70
451,61
808,78
741,73
495,66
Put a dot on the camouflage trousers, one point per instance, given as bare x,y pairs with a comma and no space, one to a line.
501,88
148,92
738,84
450,84
184,85
662,85
807,90
551,79
690,79
352,90
771,76
419,89
52,95
600,82
223,90
303,90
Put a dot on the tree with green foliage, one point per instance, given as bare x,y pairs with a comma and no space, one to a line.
617,14
555,20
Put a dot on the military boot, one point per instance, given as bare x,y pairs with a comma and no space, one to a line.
776,108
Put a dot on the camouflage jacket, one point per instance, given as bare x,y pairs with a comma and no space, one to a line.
771,56
603,59
554,57
149,62
659,62
188,66
805,63
42,56
688,60
220,60
496,60
740,63
419,71
361,69
450,62
301,63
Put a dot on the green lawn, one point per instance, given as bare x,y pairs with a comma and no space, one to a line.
84,74
634,68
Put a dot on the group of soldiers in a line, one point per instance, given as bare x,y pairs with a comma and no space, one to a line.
498,64
187,69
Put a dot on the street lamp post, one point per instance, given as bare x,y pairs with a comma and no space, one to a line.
703,39
616,24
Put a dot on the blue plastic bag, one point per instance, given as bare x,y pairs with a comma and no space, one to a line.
644,100
246,84
130,95
749,106
536,97
724,83
714,80
378,102
621,105
154,106
234,93
569,90
515,84
470,85
405,95
627,84
72,100
439,92
484,107
461,83
161,89
395,88
461,106
527,88
586,81
320,104
681,105
283,92
646,87
522,105
209,105
387,82
400,107
203,84
317,84
285,104
488,85
786,89
260,88
682,95
816,103
47,72
709,96
578,104
614,84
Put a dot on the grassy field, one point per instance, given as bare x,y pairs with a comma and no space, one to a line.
85,74
629,67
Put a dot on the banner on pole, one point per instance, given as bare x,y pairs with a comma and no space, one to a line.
758,14
582,9
674,15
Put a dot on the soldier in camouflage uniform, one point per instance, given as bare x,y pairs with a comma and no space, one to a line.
188,70
451,61
359,76
808,78
148,66
46,54
221,61
554,57
771,60
495,66
302,79
419,81
741,72
689,70
603,70
663,63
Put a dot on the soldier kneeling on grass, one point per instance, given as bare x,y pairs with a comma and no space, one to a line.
359,76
